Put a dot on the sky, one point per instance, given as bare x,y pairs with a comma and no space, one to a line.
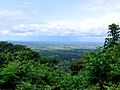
57,20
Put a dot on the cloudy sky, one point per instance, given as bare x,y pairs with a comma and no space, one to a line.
39,20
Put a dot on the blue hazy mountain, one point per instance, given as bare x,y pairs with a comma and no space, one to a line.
61,40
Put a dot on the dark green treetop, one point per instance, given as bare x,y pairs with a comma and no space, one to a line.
113,35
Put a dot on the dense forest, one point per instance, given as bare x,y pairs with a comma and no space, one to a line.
22,68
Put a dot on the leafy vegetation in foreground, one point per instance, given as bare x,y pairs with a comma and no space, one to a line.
24,69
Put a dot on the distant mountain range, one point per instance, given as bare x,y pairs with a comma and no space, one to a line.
58,43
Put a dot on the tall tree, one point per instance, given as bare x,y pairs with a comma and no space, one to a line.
113,35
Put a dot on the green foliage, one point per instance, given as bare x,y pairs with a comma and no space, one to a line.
11,48
76,66
103,67
26,86
29,75
113,35
51,62
10,52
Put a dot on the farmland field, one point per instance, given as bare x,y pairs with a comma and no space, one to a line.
69,51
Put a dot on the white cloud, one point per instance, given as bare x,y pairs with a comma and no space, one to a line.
12,14
4,32
93,27
25,4
102,6
88,27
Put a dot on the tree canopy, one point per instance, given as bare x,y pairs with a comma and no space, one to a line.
113,35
